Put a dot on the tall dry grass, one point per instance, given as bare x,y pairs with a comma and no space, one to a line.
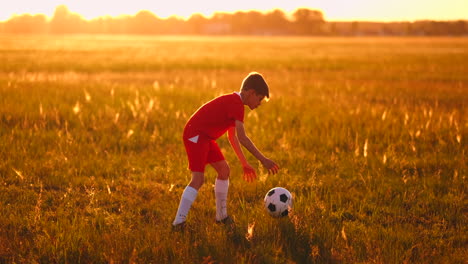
370,134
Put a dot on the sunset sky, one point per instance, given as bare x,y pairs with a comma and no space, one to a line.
333,10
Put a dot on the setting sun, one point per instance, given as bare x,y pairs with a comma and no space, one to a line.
333,10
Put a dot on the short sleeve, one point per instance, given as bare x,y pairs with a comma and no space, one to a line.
237,111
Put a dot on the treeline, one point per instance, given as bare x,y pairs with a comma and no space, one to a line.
301,22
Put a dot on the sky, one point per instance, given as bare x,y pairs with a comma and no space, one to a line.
333,10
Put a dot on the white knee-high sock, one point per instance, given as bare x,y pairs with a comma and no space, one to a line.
188,196
221,192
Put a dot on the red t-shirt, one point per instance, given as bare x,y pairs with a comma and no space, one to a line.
214,118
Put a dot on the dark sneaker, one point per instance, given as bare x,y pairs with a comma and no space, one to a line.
226,221
179,227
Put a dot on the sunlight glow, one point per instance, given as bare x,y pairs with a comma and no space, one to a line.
397,10
334,10
76,108
250,229
163,9
90,9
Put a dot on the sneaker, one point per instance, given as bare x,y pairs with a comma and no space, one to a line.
226,221
179,227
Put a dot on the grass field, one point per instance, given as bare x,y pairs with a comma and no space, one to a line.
370,133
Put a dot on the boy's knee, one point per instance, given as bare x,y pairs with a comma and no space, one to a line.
223,173
197,180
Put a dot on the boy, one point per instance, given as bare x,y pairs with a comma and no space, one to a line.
209,122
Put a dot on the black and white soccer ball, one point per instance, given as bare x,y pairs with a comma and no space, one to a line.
278,202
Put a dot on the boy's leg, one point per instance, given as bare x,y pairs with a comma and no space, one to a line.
221,188
188,197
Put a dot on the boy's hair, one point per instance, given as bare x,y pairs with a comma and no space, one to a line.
255,81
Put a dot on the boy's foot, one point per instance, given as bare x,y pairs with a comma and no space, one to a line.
226,221
179,227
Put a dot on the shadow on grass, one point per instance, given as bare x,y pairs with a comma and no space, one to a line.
301,245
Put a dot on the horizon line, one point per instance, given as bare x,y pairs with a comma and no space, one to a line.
288,15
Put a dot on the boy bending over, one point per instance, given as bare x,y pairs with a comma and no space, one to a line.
213,119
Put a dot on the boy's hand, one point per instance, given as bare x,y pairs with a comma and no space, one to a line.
249,173
270,165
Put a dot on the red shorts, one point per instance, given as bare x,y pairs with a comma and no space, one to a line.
201,151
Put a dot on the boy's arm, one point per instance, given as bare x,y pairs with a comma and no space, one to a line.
249,171
236,146
249,145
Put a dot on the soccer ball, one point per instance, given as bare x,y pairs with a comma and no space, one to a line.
278,202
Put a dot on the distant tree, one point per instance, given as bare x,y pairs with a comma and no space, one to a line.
308,21
218,24
255,23
247,23
221,18
173,25
64,22
304,22
332,30
26,24
240,23
276,22
118,25
460,27
99,25
144,22
408,29
355,28
196,24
